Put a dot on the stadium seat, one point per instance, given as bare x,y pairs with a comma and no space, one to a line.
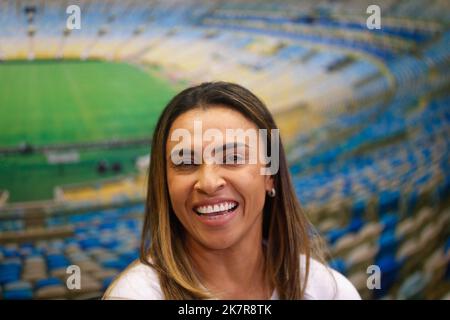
18,290
389,267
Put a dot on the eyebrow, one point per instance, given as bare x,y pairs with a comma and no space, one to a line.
232,145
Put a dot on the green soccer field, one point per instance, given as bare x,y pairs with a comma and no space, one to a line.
52,102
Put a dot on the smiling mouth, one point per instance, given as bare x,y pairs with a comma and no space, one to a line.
216,209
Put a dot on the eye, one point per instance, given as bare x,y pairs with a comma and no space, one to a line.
234,159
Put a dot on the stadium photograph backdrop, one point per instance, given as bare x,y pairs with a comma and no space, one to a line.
361,96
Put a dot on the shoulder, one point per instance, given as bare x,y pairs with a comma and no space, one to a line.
137,282
325,283
141,282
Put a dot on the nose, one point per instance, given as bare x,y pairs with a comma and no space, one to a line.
209,181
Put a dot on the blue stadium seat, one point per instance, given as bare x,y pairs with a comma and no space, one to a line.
10,270
388,243
355,225
389,267
334,235
106,282
389,221
389,200
18,290
339,265
42,283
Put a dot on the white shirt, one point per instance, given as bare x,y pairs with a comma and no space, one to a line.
141,282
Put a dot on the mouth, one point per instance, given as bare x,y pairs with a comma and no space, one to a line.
217,209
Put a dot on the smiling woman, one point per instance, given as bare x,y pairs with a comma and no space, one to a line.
221,229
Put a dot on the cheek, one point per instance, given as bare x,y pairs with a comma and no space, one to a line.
252,185
179,190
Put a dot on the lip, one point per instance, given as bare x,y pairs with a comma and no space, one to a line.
218,220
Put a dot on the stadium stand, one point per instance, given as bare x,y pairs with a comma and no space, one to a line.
365,115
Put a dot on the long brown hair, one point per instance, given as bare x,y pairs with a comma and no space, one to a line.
286,230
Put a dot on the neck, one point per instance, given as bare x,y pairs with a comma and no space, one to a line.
237,272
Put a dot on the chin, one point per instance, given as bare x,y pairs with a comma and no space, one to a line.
218,242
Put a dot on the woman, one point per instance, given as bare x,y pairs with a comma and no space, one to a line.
222,229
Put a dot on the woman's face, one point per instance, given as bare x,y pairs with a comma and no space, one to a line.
219,204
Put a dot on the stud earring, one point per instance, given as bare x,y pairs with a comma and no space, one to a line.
271,193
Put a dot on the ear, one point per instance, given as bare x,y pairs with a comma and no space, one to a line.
268,182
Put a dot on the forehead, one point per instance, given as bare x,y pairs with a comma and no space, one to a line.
214,117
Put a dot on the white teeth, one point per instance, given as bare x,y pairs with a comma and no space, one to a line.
224,206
